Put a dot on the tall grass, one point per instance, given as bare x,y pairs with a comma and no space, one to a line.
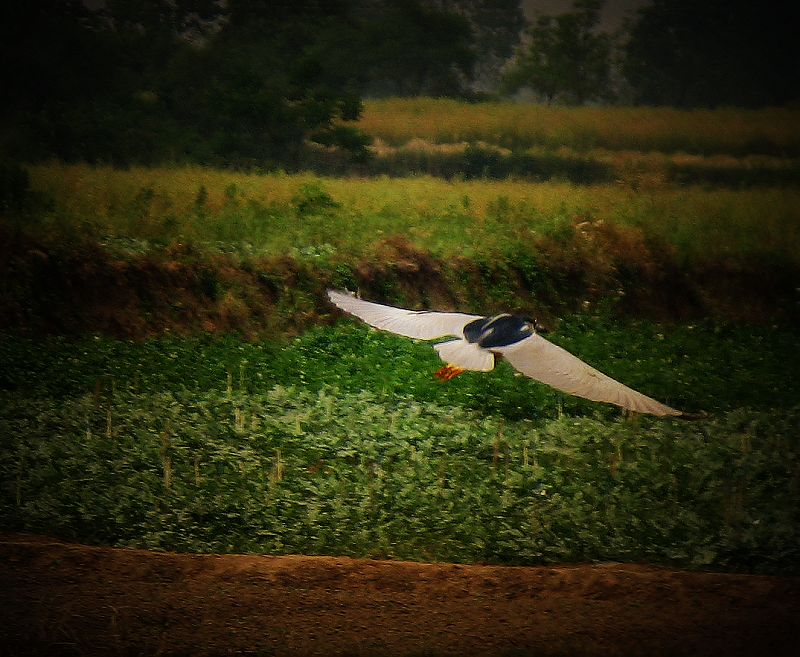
732,131
275,214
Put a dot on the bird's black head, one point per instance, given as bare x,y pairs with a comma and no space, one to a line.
537,325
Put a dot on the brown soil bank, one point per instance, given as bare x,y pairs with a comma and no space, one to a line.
64,599
82,287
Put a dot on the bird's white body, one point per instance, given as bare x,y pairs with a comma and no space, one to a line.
467,355
480,339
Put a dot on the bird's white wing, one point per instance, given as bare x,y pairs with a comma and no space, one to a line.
546,362
419,324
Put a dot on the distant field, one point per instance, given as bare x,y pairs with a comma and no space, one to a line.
518,126
639,146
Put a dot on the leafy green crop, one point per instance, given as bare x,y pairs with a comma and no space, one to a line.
341,442
701,366
291,470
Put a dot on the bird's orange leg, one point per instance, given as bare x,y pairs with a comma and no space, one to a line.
449,372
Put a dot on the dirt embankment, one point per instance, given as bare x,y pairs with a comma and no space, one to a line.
65,599
80,287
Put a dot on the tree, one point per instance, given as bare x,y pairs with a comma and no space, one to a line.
241,82
412,48
736,52
565,59
261,87
496,27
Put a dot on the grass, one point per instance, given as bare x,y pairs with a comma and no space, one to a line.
519,126
342,442
688,365
300,214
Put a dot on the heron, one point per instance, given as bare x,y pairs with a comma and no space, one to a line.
479,341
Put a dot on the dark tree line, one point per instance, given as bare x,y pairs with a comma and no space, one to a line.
249,82
565,57
715,52
672,52
242,82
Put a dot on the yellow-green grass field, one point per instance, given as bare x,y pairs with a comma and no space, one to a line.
735,131
276,214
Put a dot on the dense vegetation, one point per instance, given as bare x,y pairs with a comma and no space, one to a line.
281,214
342,442
237,83
232,413
134,252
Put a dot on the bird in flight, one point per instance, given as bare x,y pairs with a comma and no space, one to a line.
480,340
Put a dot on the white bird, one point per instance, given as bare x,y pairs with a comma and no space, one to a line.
481,339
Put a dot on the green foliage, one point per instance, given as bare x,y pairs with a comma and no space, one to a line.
348,138
326,472
342,442
566,58
393,47
700,224
223,96
746,56
312,198
133,253
685,365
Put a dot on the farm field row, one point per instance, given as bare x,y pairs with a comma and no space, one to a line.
517,126
639,170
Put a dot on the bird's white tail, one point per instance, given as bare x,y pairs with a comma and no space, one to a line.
466,355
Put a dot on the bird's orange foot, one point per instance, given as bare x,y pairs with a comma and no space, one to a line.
449,372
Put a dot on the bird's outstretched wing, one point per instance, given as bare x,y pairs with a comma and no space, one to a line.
419,324
546,362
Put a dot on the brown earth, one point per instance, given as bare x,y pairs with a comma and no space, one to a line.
65,599
75,288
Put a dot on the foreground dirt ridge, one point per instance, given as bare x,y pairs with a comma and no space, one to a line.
66,599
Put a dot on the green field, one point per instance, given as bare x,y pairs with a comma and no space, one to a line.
173,377
342,442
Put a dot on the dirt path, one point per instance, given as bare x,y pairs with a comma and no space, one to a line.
65,599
